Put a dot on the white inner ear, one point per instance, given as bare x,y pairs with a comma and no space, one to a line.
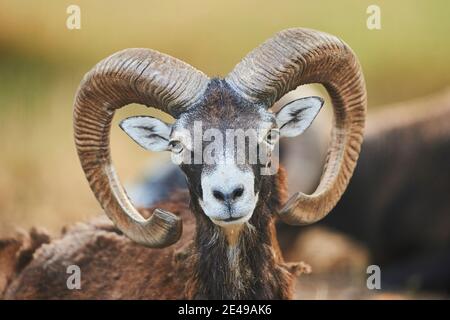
297,116
150,133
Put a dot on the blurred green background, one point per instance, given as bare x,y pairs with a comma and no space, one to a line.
42,62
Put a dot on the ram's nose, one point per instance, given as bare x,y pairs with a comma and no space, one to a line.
229,196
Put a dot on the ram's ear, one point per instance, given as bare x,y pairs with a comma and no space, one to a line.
297,116
150,133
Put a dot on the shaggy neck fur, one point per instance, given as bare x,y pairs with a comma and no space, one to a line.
244,262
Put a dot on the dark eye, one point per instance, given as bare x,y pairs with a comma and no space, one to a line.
175,146
272,136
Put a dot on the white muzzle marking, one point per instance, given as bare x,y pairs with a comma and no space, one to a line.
228,194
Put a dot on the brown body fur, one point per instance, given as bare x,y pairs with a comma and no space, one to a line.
113,267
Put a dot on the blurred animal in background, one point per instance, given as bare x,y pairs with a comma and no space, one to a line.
397,204
229,248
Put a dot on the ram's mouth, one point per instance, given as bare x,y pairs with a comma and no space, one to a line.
231,221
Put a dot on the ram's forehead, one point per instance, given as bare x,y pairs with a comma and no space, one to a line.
224,118
222,108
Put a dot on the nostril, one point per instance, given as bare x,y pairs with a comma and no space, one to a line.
238,192
218,195
227,197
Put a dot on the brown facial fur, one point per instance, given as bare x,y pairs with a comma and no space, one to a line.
251,268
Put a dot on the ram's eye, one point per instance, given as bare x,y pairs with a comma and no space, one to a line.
272,136
175,146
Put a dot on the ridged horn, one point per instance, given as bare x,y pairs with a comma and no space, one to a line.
130,76
294,57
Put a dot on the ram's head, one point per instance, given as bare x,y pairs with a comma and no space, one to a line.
223,177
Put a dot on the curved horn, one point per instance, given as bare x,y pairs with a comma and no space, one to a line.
130,76
295,57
